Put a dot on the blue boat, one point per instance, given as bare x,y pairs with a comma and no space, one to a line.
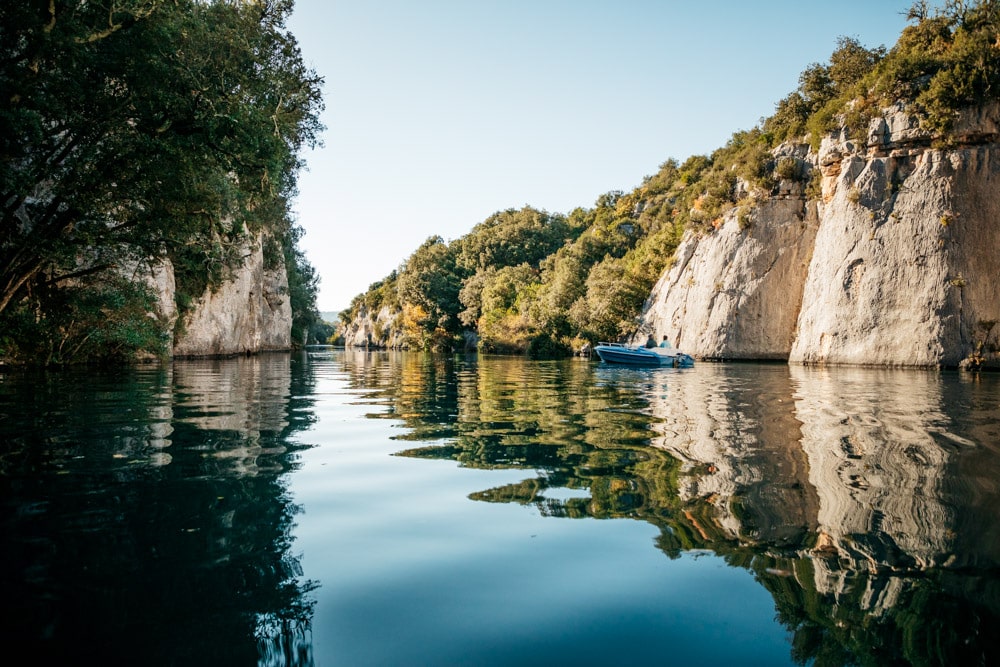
634,355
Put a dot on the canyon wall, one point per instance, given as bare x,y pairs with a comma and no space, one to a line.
249,312
895,264
374,328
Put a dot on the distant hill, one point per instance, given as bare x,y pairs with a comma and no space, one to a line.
329,316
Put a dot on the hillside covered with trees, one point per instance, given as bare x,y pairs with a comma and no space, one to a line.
544,283
134,132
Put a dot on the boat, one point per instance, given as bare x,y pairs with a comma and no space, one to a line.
635,355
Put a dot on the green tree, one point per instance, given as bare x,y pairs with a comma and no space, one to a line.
303,287
513,237
430,280
503,286
141,130
105,318
505,324
471,296
851,62
967,68
614,297
563,282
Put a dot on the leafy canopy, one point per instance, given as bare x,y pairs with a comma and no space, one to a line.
142,129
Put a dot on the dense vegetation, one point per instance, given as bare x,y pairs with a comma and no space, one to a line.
534,281
138,130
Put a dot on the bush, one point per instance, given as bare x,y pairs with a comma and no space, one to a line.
545,346
103,319
790,169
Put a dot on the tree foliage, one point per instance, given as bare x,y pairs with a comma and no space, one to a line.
94,319
512,237
144,129
505,324
430,281
303,287
612,300
945,61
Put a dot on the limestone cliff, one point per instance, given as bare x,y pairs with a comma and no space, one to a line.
736,293
248,313
378,329
896,263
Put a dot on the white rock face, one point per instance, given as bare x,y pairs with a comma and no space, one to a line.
904,271
250,313
159,278
736,293
895,266
377,329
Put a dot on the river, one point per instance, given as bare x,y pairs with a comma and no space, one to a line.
338,507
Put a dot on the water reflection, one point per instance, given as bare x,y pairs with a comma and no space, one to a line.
145,516
549,416
886,452
865,501
148,513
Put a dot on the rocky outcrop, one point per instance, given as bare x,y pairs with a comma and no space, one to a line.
158,277
250,312
736,293
377,329
894,265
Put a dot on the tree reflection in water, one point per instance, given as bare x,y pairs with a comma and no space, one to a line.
145,516
865,501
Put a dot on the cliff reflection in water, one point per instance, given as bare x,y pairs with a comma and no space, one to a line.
145,515
865,501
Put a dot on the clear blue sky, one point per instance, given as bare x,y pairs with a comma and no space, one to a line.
442,112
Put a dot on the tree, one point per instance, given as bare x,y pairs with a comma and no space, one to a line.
502,288
430,279
512,237
563,282
471,296
612,302
503,324
143,130
816,86
851,62
303,287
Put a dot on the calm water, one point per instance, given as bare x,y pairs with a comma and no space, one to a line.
346,508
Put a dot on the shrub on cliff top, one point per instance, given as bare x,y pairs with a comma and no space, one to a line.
947,60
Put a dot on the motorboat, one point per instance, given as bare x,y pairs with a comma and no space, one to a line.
635,355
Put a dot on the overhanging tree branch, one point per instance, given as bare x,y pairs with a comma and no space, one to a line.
116,135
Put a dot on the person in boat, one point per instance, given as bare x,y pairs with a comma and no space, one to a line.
664,342
650,342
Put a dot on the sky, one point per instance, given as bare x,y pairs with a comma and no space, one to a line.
439,113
